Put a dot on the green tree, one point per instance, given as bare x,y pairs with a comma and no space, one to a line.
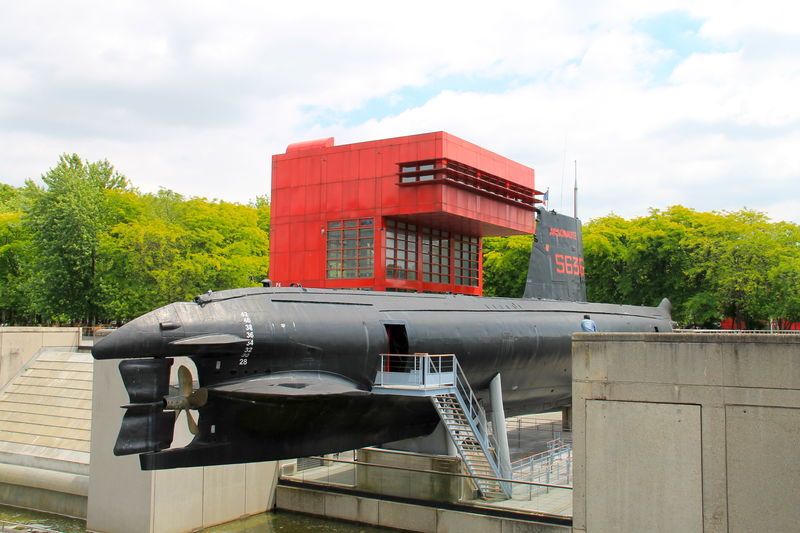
176,248
66,221
710,265
16,255
14,269
505,265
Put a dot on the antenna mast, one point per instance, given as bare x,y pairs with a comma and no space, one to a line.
575,193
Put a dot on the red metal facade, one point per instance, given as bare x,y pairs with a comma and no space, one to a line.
397,214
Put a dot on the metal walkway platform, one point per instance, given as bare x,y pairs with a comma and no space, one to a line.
440,377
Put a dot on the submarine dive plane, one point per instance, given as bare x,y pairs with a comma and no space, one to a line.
288,372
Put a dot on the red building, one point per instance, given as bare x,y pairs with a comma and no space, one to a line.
396,214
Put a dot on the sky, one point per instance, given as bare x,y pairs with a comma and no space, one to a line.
660,103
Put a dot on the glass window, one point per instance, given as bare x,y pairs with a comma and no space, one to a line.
401,260
467,260
350,252
435,254
431,255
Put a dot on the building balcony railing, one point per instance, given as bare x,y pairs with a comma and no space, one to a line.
455,173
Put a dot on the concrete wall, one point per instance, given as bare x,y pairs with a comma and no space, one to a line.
406,484
686,432
19,344
401,515
123,498
61,493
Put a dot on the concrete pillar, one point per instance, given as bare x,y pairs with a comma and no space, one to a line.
686,432
123,498
499,424
566,418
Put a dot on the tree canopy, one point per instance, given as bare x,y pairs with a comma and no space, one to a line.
86,246
505,265
710,265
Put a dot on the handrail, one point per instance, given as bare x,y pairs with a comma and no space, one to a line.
742,331
420,370
486,440
426,471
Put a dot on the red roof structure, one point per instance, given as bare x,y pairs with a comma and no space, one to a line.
406,213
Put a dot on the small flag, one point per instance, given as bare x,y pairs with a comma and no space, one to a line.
546,196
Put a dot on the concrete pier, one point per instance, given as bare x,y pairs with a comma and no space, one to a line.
672,432
125,499
19,344
45,416
59,417
686,432
402,515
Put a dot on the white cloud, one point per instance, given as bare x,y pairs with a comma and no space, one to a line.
195,96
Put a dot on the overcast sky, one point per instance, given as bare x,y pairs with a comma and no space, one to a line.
694,103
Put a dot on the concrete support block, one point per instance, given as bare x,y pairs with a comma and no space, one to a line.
261,480
123,498
456,522
223,493
643,470
19,344
404,516
763,468
400,515
178,499
522,526
672,427
355,509
300,500
715,516
433,487
49,501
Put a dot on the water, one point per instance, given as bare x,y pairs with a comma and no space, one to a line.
283,522
42,520
278,522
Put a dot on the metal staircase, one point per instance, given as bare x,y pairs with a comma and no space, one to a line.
440,377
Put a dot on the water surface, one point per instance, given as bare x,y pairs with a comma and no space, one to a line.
276,522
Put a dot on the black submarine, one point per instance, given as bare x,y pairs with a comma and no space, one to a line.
288,372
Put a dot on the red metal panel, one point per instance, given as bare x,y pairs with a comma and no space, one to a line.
350,196
333,168
366,164
333,199
366,194
318,181
390,193
312,272
309,174
297,240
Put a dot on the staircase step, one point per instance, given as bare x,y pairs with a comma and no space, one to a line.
465,428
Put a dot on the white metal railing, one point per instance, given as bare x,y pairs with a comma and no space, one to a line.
419,371
741,331
553,466
527,497
425,371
